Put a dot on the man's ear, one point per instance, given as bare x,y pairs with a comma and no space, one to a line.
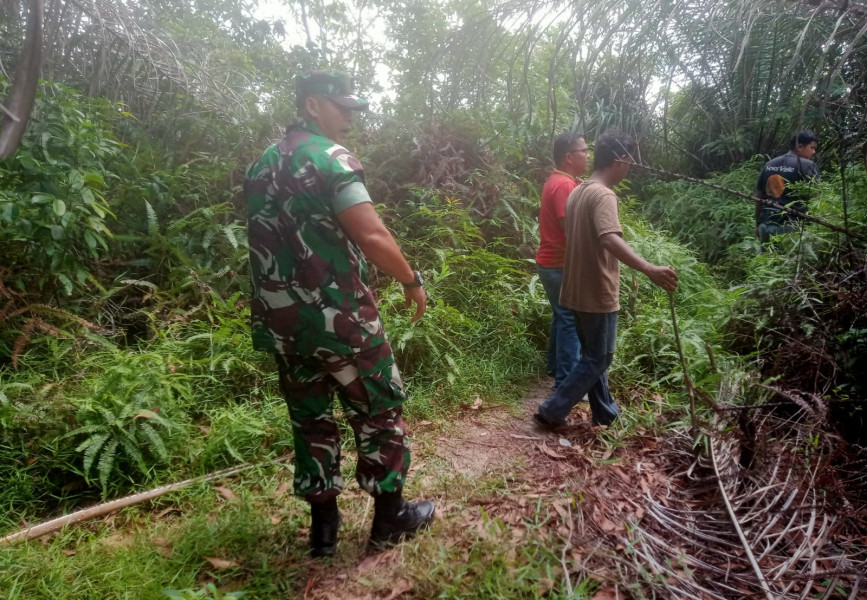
311,106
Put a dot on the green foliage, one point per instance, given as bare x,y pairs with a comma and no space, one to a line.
53,209
238,433
207,592
721,226
646,350
172,386
482,330
88,413
434,222
710,221
119,415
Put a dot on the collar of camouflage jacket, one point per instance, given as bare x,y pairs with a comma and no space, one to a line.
301,123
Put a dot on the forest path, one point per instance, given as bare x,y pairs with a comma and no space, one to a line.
497,478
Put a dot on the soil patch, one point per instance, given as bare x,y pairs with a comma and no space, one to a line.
638,513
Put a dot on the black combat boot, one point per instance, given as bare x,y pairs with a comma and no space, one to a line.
323,528
394,518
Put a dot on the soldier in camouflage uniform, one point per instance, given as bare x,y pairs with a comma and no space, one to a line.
311,225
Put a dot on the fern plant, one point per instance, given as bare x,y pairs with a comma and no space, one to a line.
120,421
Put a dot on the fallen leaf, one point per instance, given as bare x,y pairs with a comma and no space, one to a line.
545,449
166,511
68,552
477,403
524,437
558,506
401,587
282,489
545,585
221,563
276,520
226,492
163,547
417,466
650,443
310,583
604,523
371,562
607,593
577,558
423,423
116,540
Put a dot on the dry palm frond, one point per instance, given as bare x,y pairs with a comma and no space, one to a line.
108,48
771,530
33,321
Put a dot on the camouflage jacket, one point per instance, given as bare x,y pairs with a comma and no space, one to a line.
309,279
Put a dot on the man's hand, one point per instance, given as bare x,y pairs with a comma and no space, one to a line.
419,297
664,277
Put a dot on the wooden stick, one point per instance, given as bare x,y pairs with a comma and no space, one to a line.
22,95
37,531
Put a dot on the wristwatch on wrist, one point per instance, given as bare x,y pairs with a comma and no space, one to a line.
417,280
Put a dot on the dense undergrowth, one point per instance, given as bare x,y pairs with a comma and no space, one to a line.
125,359
800,313
128,363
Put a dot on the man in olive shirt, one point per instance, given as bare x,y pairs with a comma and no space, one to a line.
591,282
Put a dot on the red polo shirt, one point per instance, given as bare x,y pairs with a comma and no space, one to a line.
552,245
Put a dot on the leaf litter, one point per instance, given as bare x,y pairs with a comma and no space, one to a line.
638,517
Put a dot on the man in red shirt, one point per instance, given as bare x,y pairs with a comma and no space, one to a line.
570,157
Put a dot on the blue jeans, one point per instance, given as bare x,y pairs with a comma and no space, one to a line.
563,345
598,335
766,230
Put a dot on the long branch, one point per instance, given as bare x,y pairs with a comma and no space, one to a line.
765,201
37,531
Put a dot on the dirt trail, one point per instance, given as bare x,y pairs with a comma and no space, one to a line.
635,505
491,439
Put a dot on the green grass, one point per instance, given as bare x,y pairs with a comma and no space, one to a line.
143,550
483,336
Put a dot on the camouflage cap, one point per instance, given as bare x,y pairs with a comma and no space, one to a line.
334,85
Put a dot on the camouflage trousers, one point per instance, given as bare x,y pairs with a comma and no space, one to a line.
370,390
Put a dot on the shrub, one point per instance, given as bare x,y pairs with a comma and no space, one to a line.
53,212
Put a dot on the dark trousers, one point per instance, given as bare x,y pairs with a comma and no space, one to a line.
598,335
370,390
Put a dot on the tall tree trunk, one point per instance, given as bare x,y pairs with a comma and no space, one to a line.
13,121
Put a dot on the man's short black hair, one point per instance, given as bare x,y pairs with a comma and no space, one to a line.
802,138
562,144
611,146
